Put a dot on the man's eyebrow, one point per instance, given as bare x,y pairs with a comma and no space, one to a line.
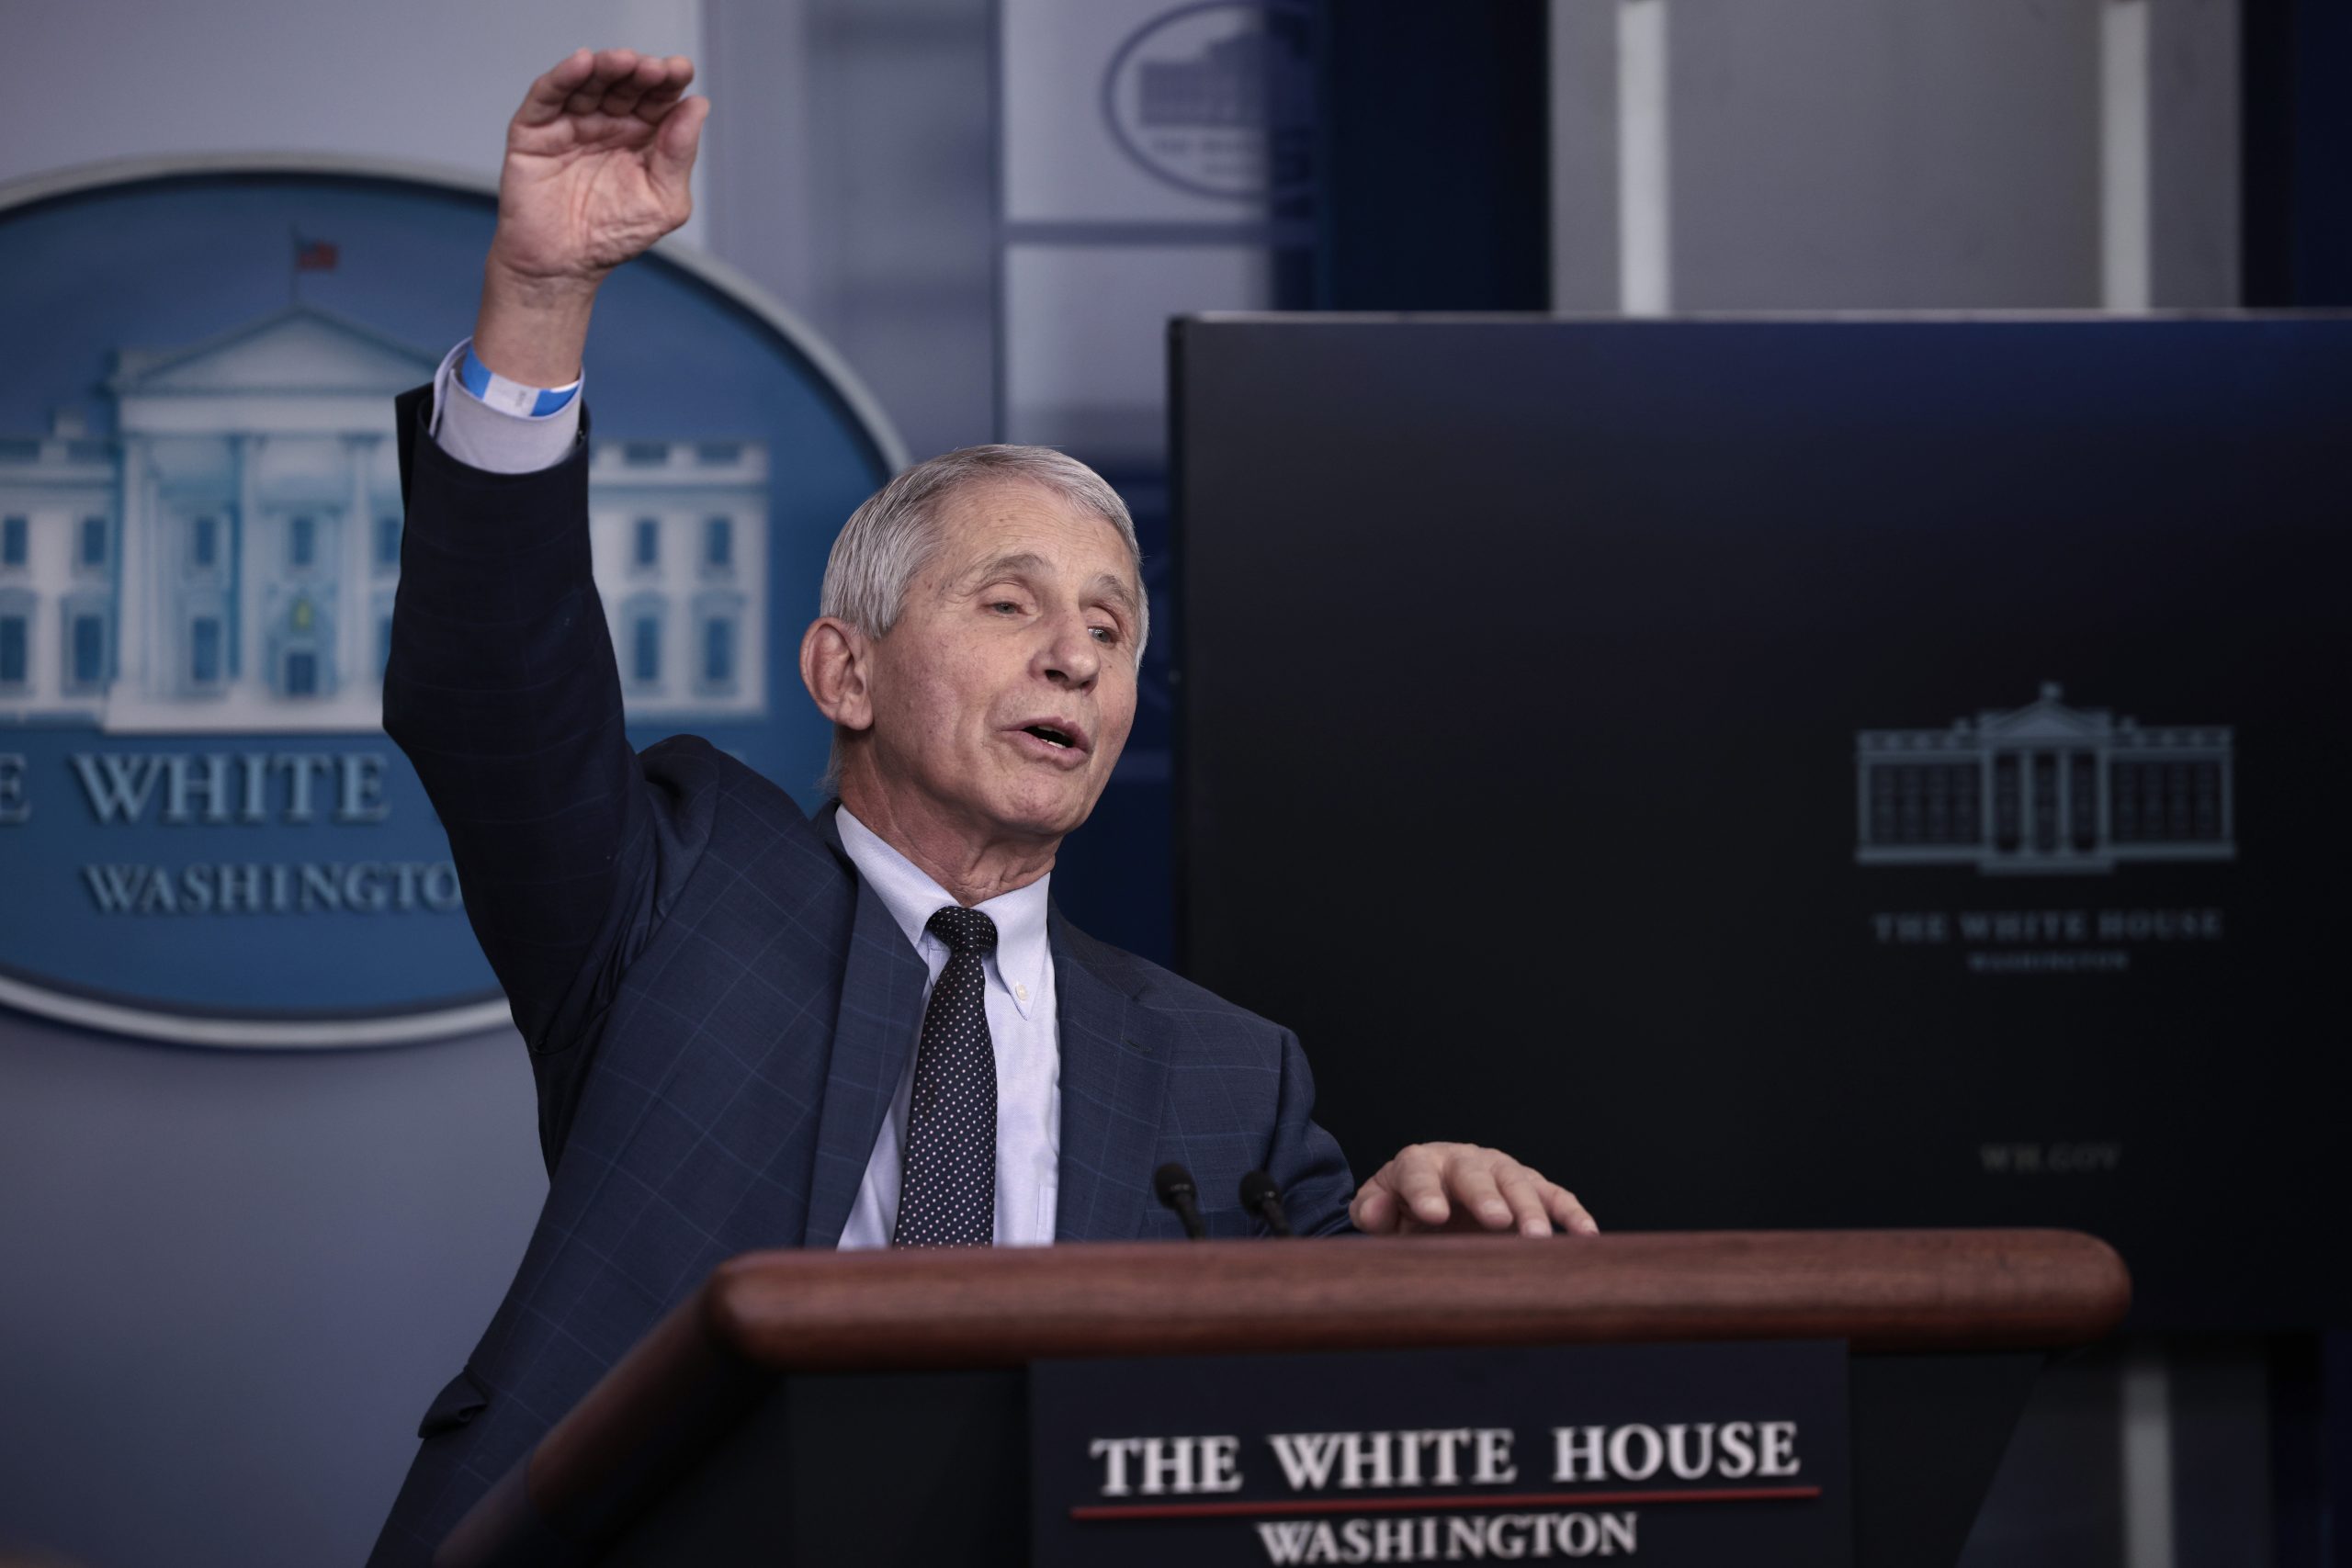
1018,565
1109,584
1113,586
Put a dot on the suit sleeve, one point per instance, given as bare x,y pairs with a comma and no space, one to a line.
1306,1161
501,690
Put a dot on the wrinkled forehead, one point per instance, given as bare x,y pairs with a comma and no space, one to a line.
995,519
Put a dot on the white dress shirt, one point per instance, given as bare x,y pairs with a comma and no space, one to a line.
1023,1022
1021,1027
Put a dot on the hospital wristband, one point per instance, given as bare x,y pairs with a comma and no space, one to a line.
511,396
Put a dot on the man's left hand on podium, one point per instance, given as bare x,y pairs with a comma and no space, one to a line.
1460,1186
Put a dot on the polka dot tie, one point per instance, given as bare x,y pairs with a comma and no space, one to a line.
947,1197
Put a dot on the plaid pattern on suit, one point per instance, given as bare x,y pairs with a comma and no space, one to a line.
716,1012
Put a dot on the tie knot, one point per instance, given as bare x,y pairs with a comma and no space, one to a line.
964,930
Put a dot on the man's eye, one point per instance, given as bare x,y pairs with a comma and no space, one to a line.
1007,605
1105,633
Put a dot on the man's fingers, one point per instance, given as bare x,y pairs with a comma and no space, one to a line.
674,145
1471,1183
588,90
1427,1184
612,66
657,102
650,72
1419,1180
548,94
613,82
678,74
615,66
1567,1214
1523,1189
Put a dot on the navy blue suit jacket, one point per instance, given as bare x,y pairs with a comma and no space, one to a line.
717,1012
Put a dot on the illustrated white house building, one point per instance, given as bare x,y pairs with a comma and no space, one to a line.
227,560
2044,788
1245,82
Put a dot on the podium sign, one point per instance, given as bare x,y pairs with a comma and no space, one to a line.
1672,1454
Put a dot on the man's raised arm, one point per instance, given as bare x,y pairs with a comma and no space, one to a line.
501,684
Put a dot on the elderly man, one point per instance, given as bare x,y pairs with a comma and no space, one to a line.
752,1028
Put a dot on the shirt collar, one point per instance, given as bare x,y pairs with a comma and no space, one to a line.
1018,965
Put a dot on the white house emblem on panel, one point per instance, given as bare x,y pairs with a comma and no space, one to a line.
1217,97
227,560
2044,788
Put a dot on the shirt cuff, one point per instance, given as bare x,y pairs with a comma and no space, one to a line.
491,439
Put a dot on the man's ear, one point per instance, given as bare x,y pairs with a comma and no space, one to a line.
836,665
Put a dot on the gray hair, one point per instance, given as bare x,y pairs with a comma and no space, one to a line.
888,540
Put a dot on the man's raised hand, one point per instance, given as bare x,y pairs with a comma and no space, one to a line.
597,164
597,161
1460,1186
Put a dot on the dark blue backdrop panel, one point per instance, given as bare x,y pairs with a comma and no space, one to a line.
2296,152
1435,191
1792,774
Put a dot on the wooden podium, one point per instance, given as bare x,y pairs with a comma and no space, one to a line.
750,1425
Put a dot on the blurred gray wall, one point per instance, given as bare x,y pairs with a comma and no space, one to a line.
1896,154
233,1281
850,169
432,82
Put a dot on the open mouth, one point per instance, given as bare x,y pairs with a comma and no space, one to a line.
1050,735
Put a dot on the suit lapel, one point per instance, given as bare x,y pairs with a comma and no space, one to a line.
1113,1081
881,1010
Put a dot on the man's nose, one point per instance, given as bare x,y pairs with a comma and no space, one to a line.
1071,655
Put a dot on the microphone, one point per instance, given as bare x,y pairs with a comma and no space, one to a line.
1260,1196
1173,1185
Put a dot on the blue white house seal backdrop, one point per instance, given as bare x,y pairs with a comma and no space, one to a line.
204,833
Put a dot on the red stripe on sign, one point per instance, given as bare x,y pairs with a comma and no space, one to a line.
1440,1503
